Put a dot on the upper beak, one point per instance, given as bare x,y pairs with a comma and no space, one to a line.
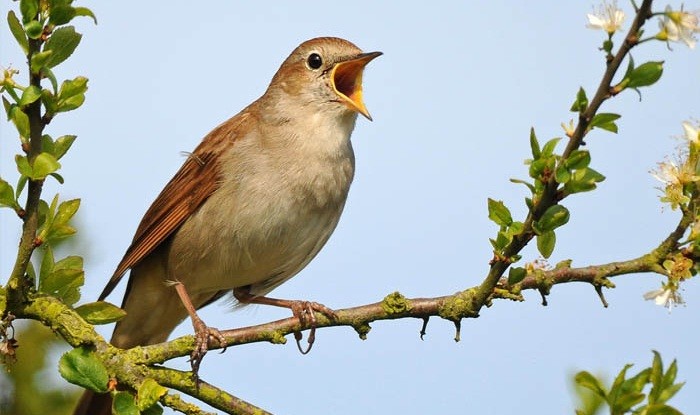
346,78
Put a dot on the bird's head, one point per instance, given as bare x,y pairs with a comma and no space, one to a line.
324,74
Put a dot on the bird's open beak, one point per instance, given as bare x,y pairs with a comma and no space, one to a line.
346,78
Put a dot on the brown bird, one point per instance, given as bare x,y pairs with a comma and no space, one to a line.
251,206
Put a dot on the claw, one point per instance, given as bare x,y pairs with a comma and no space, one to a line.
302,310
203,335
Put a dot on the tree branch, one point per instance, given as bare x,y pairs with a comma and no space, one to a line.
549,198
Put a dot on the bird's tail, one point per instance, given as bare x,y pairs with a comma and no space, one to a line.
153,310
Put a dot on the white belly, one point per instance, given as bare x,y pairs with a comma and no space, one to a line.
265,223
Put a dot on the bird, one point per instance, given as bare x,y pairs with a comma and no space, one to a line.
250,207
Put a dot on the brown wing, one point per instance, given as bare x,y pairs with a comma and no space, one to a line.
196,180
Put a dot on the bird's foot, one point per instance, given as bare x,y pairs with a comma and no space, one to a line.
304,311
203,334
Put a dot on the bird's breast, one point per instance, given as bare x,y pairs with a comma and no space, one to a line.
276,206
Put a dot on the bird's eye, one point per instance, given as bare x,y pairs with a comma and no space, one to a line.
314,61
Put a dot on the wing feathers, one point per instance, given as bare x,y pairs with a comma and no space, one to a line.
196,180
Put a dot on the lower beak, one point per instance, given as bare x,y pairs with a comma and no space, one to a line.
346,79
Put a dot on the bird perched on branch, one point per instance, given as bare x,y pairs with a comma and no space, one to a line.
251,206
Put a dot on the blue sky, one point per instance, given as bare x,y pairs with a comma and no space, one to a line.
453,99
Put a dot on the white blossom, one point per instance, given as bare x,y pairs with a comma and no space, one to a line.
679,26
608,17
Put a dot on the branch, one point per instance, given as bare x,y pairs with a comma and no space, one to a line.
30,216
549,198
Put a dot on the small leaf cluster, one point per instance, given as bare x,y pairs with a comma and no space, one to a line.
629,395
81,367
42,34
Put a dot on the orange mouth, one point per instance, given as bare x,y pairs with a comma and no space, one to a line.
347,81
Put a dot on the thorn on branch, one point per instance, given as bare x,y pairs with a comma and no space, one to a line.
458,329
543,293
423,329
599,290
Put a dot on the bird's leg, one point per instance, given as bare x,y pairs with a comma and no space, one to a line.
202,332
302,310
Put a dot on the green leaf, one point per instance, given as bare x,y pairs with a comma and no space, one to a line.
58,177
50,101
66,210
20,120
8,107
541,169
17,31
62,144
562,174
100,312
626,401
588,381
59,232
73,87
61,14
668,392
529,185
149,393
21,183
499,213
34,29
44,164
645,74
84,11
7,196
549,147
65,284
515,275
605,121
81,367
70,103
616,388
554,217
546,242
662,410
39,60
48,73
637,382
62,43
656,378
516,228
578,159
29,95
62,279
47,264
47,144
534,144
670,375
583,180
124,404
23,166
29,9
581,102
